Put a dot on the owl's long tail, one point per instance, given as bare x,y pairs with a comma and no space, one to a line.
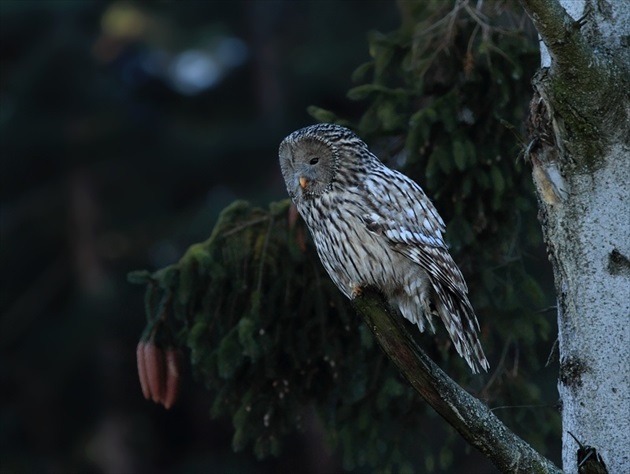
457,315
460,321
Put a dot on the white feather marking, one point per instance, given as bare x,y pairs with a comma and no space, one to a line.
392,234
416,300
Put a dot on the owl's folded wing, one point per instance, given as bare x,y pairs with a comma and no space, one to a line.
401,212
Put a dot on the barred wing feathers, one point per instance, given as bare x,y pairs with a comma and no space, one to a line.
402,213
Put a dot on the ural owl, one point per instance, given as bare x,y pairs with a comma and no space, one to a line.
373,226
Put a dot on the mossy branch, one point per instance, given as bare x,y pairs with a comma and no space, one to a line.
584,90
469,416
567,46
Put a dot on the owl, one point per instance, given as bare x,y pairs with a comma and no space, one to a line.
373,226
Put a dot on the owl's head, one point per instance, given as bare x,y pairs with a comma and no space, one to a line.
311,158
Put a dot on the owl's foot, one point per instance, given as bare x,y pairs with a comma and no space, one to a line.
356,291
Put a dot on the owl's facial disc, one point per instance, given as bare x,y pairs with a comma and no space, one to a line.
308,166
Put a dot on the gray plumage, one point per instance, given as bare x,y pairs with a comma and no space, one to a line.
373,226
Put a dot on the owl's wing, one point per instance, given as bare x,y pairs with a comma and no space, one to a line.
401,212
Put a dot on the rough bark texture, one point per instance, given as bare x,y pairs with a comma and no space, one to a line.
591,245
471,418
580,153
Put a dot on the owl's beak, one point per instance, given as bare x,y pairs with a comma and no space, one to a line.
303,182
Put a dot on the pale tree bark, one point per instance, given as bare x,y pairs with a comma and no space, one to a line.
580,153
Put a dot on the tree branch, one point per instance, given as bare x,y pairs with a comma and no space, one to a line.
561,34
471,418
584,91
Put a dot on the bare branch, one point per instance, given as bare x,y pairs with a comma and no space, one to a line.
561,34
469,416
583,91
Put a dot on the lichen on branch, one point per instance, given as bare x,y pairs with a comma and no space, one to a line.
585,86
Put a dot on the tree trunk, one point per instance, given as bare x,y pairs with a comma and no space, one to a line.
580,153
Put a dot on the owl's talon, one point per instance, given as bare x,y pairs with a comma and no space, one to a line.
356,291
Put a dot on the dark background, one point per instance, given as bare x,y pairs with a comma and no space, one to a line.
126,127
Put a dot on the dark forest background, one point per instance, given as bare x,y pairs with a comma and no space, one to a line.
125,128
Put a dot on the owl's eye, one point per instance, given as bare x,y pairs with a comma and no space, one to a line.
314,161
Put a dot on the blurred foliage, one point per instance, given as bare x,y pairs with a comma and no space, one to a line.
272,337
445,98
107,164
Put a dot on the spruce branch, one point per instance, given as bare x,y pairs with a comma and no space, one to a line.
469,416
